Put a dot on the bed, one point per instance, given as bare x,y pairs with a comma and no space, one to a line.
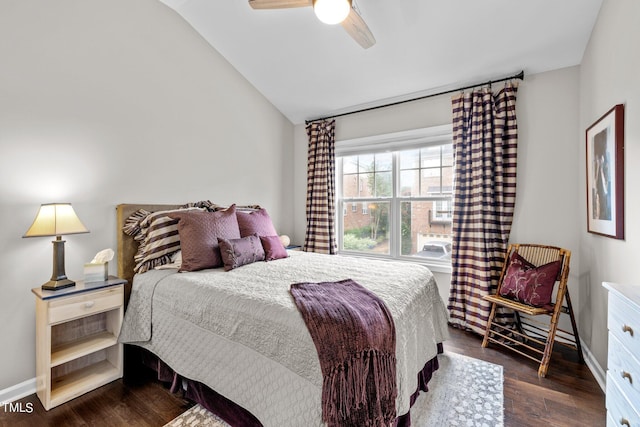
239,334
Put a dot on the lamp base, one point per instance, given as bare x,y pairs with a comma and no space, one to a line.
54,285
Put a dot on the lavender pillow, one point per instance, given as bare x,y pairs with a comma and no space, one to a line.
273,248
528,284
239,252
256,222
199,233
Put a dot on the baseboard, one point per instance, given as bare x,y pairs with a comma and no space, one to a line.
18,391
598,373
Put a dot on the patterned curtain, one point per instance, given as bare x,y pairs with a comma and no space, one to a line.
320,235
485,141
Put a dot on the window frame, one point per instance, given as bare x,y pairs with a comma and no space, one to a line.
394,143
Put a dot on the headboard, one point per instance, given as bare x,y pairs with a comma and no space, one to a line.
127,246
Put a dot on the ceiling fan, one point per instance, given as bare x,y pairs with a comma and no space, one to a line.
346,15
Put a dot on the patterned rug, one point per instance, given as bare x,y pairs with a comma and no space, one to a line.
464,392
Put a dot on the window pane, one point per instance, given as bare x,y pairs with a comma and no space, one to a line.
350,164
430,182
409,184
350,185
409,159
447,180
365,163
384,162
422,233
430,157
367,183
447,155
383,184
367,232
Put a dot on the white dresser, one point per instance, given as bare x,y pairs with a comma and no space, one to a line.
623,371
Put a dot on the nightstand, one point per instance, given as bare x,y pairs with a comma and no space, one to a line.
77,347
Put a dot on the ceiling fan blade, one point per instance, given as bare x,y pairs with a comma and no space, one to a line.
358,29
279,4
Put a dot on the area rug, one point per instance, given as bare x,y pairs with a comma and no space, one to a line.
463,392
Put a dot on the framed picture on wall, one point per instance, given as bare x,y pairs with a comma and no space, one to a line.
605,174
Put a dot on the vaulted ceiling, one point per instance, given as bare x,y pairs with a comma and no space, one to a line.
309,69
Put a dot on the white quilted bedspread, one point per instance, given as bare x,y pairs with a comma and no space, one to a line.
240,332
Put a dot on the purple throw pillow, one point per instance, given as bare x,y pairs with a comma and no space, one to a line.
199,232
528,284
273,248
239,252
256,222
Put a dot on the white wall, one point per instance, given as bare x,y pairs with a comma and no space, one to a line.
117,102
546,200
610,75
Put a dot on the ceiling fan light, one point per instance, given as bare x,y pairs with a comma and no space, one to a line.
332,11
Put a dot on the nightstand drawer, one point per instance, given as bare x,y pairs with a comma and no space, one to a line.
624,323
64,309
618,407
625,368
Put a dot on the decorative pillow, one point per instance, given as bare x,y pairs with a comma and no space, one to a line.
528,284
132,225
157,235
176,262
239,252
199,232
256,222
273,248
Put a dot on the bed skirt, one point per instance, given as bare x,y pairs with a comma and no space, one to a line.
224,408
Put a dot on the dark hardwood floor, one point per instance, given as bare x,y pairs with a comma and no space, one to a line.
569,396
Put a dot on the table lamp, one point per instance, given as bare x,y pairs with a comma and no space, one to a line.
56,219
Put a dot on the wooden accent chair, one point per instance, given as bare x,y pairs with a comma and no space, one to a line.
528,336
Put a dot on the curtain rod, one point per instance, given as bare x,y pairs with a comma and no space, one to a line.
519,76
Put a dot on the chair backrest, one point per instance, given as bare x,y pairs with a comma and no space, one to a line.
539,255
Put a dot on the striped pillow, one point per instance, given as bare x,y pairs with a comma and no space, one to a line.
157,235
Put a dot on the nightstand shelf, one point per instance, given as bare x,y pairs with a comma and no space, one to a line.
83,380
70,351
77,347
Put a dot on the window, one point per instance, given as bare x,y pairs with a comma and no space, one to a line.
404,185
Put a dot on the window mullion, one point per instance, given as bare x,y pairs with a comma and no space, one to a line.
394,209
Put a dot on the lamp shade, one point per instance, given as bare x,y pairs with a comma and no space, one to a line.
56,219
332,11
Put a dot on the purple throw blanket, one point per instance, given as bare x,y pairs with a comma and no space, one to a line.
355,337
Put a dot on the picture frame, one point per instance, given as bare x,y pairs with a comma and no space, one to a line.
605,174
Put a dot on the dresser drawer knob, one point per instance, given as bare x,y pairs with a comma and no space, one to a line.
627,328
624,422
89,304
627,375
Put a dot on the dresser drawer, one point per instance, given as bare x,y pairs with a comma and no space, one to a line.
624,323
625,368
618,407
64,309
